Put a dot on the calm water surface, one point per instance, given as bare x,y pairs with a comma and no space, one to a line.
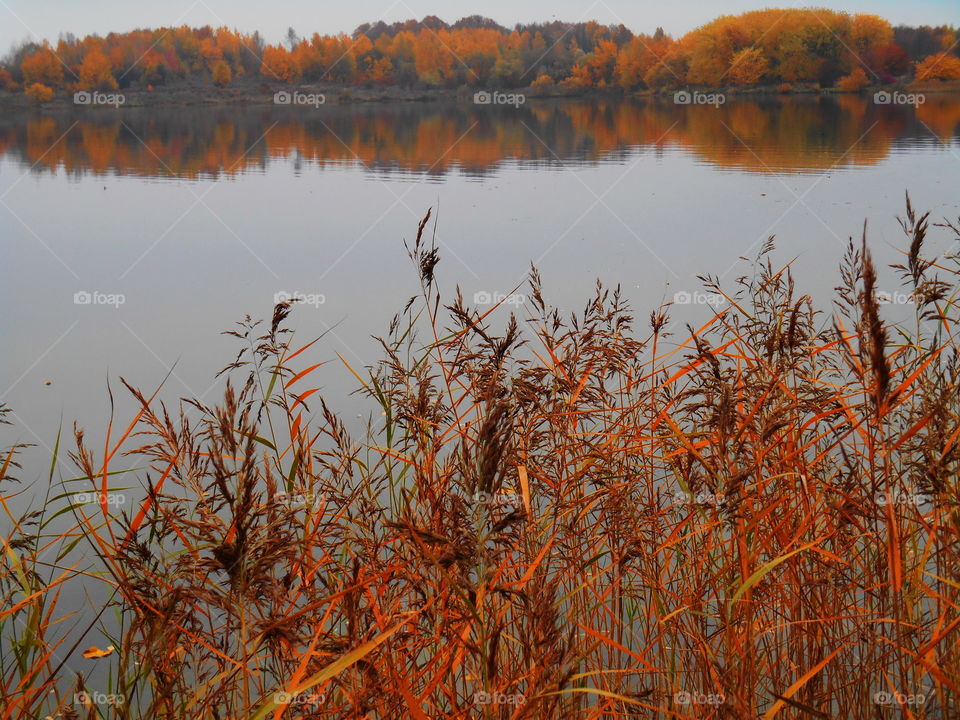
197,217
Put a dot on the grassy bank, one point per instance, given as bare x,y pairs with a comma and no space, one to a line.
255,93
550,517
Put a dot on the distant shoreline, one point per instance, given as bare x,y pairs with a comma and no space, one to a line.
191,95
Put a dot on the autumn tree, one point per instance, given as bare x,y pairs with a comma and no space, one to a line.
433,62
154,68
670,71
543,84
39,93
854,82
942,66
210,52
889,59
868,32
42,67
748,67
222,75
508,69
379,71
711,50
96,73
231,47
279,64
638,56
596,69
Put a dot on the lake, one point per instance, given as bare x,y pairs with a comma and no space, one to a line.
131,238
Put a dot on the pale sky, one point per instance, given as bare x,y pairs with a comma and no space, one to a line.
20,19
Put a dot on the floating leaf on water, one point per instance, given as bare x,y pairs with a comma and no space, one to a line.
95,652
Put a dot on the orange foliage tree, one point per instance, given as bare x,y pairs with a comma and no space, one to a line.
941,66
748,66
96,72
42,67
278,63
855,81
39,92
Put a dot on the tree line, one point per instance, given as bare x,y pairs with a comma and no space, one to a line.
764,47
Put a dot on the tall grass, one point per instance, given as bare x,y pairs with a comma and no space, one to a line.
551,517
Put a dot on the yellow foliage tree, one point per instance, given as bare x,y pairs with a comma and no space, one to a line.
941,66
748,66
222,74
868,32
39,92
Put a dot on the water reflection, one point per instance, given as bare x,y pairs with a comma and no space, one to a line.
775,134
